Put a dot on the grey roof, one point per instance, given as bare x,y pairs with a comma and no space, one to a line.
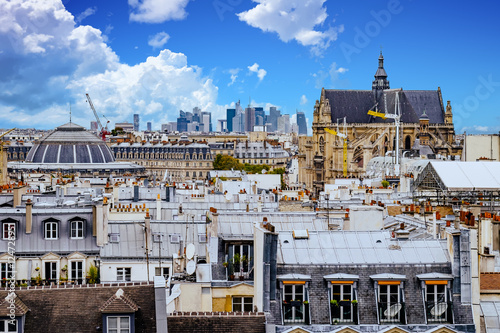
131,243
294,276
463,176
341,276
491,313
388,276
358,247
435,276
354,105
70,143
73,167
237,225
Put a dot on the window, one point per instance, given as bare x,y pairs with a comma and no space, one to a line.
8,326
9,230
162,271
437,302
51,270
6,270
157,238
242,304
187,173
119,324
51,230
175,238
76,229
114,238
241,256
390,303
293,306
342,308
76,270
123,274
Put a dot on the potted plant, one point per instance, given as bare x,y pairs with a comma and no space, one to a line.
345,302
93,275
354,302
334,302
225,264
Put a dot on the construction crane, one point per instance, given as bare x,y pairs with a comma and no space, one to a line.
3,159
103,130
397,122
343,136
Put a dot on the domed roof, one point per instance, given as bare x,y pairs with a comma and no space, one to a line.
70,143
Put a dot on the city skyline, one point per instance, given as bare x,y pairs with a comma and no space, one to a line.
154,59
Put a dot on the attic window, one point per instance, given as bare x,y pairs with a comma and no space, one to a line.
114,238
175,238
202,238
300,234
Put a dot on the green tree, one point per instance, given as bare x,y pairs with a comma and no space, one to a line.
226,162
255,168
280,171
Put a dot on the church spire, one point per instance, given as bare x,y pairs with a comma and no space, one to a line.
380,83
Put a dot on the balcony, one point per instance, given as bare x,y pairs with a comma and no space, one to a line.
295,312
392,313
439,312
344,312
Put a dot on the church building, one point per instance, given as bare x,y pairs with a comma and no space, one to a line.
424,122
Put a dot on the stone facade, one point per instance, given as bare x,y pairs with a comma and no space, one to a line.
321,157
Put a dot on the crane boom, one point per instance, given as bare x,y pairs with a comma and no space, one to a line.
95,112
344,148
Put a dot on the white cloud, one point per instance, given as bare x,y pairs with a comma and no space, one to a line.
234,75
157,41
303,99
50,61
157,11
333,73
293,20
86,13
480,129
261,73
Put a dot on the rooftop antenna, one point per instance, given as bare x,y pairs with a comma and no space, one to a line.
249,101
70,112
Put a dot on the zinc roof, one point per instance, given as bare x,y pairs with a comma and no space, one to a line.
358,247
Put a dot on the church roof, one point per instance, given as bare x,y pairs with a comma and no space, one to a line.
354,105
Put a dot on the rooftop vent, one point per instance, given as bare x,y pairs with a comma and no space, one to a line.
300,234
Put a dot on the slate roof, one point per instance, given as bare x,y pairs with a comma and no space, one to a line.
20,307
78,309
354,105
119,303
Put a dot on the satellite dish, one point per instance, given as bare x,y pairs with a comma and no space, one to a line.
190,267
439,309
190,251
392,310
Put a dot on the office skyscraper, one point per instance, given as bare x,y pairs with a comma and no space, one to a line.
301,122
149,126
136,122
230,113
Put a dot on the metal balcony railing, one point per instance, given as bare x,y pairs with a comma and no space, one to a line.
392,312
295,312
439,312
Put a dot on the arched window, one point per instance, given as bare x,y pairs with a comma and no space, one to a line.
51,229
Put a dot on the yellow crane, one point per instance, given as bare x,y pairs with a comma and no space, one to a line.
397,122
3,159
344,139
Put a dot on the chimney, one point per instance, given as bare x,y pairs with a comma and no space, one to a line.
147,223
158,207
29,216
136,193
18,194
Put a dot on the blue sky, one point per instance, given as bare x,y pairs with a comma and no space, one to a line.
155,57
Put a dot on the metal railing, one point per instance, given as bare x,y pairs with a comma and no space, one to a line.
295,312
392,312
439,312
344,313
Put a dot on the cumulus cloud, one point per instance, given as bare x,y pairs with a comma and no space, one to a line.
293,20
261,73
303,100
157,11
49,61
333,73
157,41
86,13
234,75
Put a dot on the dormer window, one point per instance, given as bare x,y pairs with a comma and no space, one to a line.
51,229
76,229
437,297
390,298
9,229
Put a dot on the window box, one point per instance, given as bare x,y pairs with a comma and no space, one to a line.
345,303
